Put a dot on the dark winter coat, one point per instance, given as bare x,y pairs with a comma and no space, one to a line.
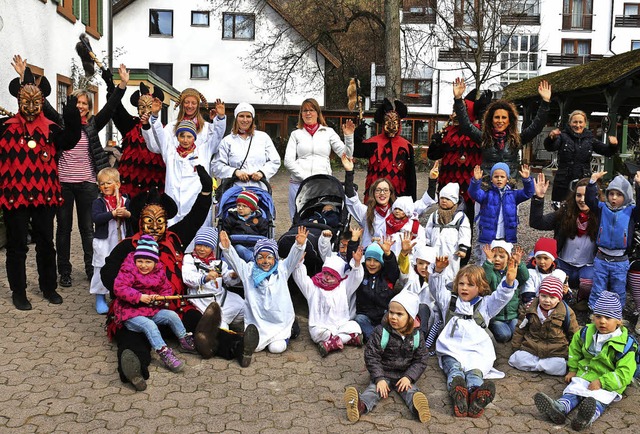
101,218
398,359
255,225
376,291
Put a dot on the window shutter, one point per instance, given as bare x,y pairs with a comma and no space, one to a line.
75,8
100,18
85,12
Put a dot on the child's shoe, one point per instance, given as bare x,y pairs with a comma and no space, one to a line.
460,396
169,359
480,398
357,339
332,344
553,409
586,412
187,344
206,333
250,341
101,304
421,407
131,369
355,407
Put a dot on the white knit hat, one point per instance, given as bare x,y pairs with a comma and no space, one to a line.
450,191
244,107
426,253
336,263
404,203
409,301
502,243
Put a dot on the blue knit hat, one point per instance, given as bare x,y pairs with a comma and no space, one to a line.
187,126
266,245
147,248
374,251
206,236
501,166
608,305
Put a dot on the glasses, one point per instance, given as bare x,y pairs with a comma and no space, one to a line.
381,190
263,258
308,111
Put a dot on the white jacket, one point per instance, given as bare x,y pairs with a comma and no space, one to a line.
447,240
261,156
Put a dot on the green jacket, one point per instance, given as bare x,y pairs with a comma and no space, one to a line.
615,375
494,277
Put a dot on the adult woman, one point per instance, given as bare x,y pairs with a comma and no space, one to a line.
246,154
575,229
574,145
310,146
499,136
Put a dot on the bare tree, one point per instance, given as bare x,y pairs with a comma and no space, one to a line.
393,71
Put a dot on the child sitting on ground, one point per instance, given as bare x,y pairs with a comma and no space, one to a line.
498,215
403,219
465,351
268,301
544,330
328,294
599,368
140,281
110,216
543,265
504,322
203,273
246,219
396,358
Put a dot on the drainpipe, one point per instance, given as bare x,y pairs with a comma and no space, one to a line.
612,20
110,56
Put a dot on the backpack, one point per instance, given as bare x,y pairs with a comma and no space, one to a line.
477,317
630,345
456,225
385,339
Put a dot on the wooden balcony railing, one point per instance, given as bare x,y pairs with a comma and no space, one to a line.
627,21
457,55
577,22
571,59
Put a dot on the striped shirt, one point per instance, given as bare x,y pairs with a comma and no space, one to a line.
75,165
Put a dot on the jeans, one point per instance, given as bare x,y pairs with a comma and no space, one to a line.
453,368
149,326
365,324
579,277
370,396
609,276
503,330
83,193
570,401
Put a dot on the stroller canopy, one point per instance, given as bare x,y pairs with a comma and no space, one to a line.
319,189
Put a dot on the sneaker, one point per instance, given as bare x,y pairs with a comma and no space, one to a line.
102,307
20,301
354,406
421,407
170,360
460,396
131,369
250,342
65,280
53,297
586,411
187,344
551,408
480,398
206,333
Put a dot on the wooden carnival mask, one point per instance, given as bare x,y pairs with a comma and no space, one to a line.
144,105
153,221
391,123
30,101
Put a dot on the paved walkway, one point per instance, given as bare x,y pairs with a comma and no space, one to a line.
58,374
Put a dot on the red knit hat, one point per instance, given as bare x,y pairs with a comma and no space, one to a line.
552,286
546,246
249,199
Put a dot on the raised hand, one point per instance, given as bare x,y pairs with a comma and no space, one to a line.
613,141
386,244
301,238
435,172
218,110
459,87
442,262
347,163
348,128
477,173
512,269
488,252
224,240
525,171
356,233
597,175
407,243
544,90
327,233
554,133
124,76
517,254
541,185
156,106
19,65
357,255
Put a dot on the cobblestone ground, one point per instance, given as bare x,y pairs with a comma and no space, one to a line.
58,374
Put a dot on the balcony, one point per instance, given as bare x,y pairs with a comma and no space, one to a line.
571,59
418,18
416,99
577,22
627,21
520,20
458,55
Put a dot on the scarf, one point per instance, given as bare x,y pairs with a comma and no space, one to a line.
208,260
394,224
114,202
382,210
258,274
446,215
320,282
499,138
183,152
311,129
582,223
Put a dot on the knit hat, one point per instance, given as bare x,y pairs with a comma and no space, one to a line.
501,166
405,204
147,248
266,245
621,184
374,251
552,286
244,107
426,253
335,265
503,244
409,301
188,127
206,236
608,305
547,247
249,199
451,191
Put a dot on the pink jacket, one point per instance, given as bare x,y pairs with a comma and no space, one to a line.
130,285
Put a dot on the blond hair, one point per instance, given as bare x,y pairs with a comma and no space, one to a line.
476,276
89,96
110,173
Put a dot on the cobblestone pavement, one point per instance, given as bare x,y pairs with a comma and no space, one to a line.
58,374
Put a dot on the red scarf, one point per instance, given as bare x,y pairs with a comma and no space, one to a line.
311,129
382,210
183,152
582,222
208,260
500,138
322,284
394,224
112,202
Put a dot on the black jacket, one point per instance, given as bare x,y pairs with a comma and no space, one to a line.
376,291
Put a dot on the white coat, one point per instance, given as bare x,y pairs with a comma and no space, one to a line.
447,240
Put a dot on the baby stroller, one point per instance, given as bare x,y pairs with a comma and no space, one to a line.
315,192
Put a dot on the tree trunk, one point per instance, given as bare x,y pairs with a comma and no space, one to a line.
393,85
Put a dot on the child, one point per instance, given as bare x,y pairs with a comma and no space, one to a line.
544,265
109,213
504,322
448,229
327,216
395,357
498,214
246,219
377,288
328,294
268,303
618,216
464,348
599,370
404,219
140,280
544,331
202,273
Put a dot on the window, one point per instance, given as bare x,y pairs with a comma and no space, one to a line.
379,93
200,19
63,89
635,45
69,9
580,47
577,15
465,12
160,22
521,7
91,17
418,90
631,9
519,58
163,70
199,71
238,26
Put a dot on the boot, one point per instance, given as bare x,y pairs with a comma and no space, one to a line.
332,344
460,396
131,369
553,409
421,407
169,359
206,332
20,301
355,407
249,343
101,304
187,343
480,398
52,296
586,412
356,339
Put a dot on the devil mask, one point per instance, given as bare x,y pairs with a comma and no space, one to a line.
30,102
144,105
391,123
153,221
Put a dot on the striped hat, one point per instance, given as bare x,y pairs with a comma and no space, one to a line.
249,199
552,286
608,305
187,126
147,248
206,236
266,245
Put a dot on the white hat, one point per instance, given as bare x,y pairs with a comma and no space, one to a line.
244,107
502,243
450,191
336,263
425,253
409,301
404,203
